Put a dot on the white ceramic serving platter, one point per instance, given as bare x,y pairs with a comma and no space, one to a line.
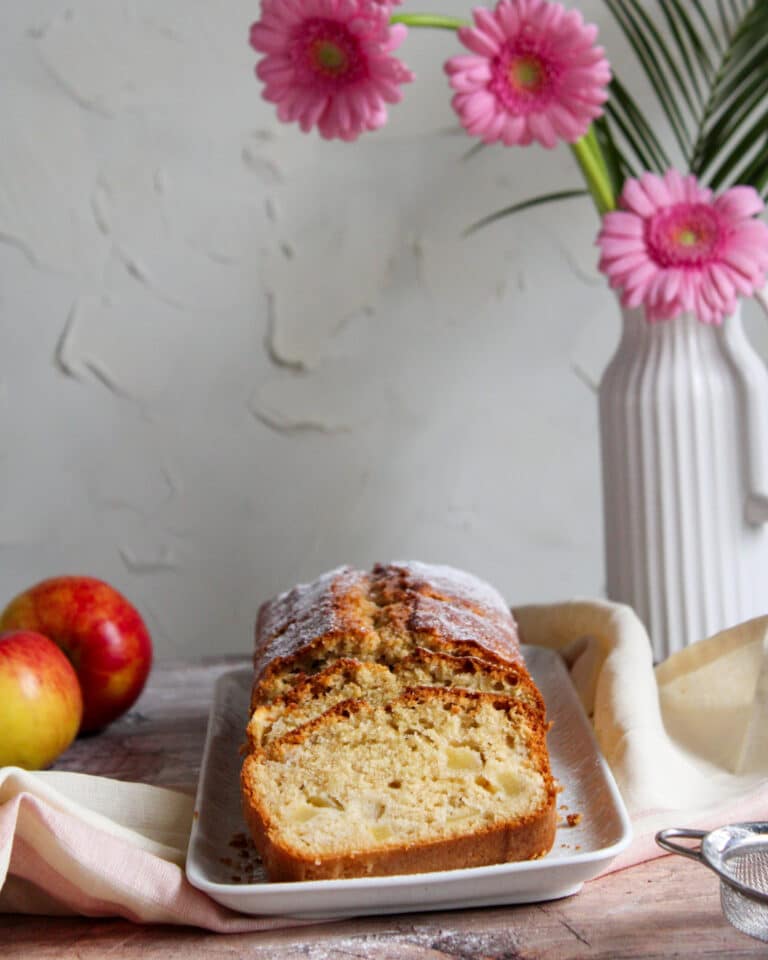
218,863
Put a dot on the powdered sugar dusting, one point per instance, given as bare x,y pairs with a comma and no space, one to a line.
300,600
427,939
458,584
327,606
462,625
441,601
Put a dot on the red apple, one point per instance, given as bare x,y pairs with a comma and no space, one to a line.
40,701
100,632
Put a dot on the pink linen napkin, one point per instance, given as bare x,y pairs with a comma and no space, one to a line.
76,844
688,745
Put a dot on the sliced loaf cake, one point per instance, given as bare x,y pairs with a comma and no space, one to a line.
394,728
434,779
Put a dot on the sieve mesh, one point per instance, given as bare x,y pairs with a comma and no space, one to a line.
749,867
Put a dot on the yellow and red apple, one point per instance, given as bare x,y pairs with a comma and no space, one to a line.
40,700
101,633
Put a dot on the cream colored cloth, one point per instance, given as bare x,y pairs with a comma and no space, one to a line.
688,741
688,744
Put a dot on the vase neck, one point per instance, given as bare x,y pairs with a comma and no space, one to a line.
634,319
684,337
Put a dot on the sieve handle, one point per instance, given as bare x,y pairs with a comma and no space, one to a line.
662,838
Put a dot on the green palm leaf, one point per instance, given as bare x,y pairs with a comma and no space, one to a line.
658,63
707,65
635,130
525,205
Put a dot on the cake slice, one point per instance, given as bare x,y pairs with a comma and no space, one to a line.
347,679
435,779
382,617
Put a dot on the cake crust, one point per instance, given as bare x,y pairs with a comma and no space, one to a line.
379,616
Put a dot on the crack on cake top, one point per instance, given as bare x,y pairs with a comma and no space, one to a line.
368,608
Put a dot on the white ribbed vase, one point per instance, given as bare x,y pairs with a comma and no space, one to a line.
684,435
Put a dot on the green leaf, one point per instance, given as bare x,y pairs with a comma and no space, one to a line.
686,54
641,41
731,81
473,151
708,70
724,21
707,24
638,133
675,12
729,121
756,173
727,170
617,167
666,62
732,120
525,205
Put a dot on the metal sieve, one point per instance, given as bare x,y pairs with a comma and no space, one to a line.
738,854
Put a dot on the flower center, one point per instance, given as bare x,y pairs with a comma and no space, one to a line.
526,74
329,57
328,51
522,78
685,234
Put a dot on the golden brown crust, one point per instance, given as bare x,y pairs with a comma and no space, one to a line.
333,605
379,616
434,601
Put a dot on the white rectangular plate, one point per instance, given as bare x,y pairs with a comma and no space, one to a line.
218,862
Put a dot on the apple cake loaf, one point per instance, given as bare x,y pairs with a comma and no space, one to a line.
394,728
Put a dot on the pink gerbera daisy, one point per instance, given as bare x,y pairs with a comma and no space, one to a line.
328,63
534,74
673,247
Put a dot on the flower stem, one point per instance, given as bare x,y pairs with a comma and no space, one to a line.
428,20
590,159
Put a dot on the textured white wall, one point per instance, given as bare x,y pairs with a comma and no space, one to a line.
234,355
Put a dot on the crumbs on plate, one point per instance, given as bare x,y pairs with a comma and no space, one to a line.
248,860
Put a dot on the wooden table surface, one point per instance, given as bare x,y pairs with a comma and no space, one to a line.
668,907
